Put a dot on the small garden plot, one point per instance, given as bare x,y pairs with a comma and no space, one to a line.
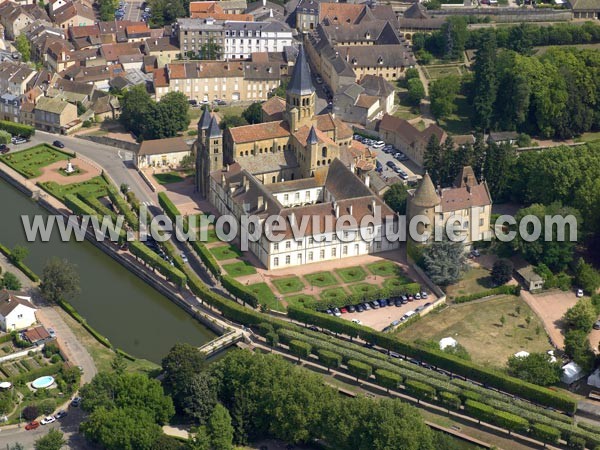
321,279
169,177
266,296
333,294
225,252
30,162
395,283
239,269
288,285
95,187
384,269
352,274
363,288
301,300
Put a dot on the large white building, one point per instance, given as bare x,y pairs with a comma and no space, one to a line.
16,311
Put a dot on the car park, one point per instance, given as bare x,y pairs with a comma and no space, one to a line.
48,420
32,425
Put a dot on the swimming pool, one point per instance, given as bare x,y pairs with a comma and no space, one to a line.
42,382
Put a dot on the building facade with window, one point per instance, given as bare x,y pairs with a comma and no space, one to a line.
297,169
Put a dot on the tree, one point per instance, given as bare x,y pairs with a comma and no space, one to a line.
54,440
587,277
231,121
395,197
60,280
581,316
432,160
220,429
577,347
23,46
135,104
485,81
81,109
188,162
107,9
30,412
536,368
210,50
411,73
455,32
18,254
200,439
498,165
180,366
10,281
5,137
165,12
118,364
444,261
520,39
442,94
416,91
253,113
502,320
502,271
199,398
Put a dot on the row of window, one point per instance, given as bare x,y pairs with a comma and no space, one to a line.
311,241
323,253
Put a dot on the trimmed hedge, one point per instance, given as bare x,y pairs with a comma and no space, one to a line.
125,354
240,291
75,315
20,265
300,349
17,129
359,369
97,205
504,289
153,260
544,433
387,379
329,359
123,207
419,390
77,206
50,369
509,421
449,400
207,258
437,358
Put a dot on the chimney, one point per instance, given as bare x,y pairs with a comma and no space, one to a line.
226,168
260,202
246,184
373,205
336,208
223,179
264,2
292,218
350,209
367,180
439,189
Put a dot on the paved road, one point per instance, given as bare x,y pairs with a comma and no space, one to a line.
133,11
116,162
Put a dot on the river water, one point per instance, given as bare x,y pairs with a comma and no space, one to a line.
131,314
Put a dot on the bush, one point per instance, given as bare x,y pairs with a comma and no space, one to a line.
500,290
329,359
17,129
449,400
359,369
300,349
86,124
544,433
30,412
388,379
502,271
419,390
153,260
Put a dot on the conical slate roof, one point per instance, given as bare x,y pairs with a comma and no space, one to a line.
425,195
416,11
204,121
312,136
214,130
301,82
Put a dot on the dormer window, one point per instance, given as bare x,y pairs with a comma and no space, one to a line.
354,61
380,60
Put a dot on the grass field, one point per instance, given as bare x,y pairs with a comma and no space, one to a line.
266,296
396,282
333,294
239,269
170,177
477,326
225,252
437,72
321,279
288,285
363,288
476,279
30,162
299,299
384,268
404,109
351,274
95,187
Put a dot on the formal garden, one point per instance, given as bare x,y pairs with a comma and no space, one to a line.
29,162
94,187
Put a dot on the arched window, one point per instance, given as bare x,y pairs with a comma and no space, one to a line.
324,152
318,163
274,179
329,161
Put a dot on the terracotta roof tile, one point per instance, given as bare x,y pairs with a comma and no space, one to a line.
259,131
275,105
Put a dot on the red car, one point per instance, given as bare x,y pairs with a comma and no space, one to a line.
343,310
32,425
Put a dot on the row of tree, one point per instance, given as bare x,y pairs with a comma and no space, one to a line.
148,119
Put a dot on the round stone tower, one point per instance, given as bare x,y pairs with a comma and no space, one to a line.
423,202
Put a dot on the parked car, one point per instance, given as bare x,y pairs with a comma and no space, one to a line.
76,402
5,149
383,302
394,323
313,328
360,308
184,258
366,306
475,253
387,329
343,310
18,140
394,354
336,312
58,144
319,79
351,308
32,425
597,325
51,332
356,321
417,296
328,311
579,293
398,302
424,294
375,304
378,144
60,414
48,420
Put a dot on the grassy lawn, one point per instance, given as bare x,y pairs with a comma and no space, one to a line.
299,299
29,162
475,280
352,274
211,236
288,285
363,288
436,72
333,294
224,252
395,283
384,269
266,296
94,187
588,137
239,269
404,109
477,326
321,279
460,121
169,177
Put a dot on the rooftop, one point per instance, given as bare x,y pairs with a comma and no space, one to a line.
160,146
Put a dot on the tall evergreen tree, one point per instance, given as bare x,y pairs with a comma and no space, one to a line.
486,83
432,160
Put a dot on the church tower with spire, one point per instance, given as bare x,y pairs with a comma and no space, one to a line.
209,151
300,96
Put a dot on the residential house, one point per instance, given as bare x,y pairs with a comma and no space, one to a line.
41,34
137,33
75,13
407,138
231,7
58,55
164,49
14,77
16,311
37,335
54,115
218,80
307,15
585,9
162,152
14,18
467,205
27,114
503,137
112,52
105,106
365,102
213,10
69,90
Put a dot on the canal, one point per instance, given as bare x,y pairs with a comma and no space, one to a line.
131,314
